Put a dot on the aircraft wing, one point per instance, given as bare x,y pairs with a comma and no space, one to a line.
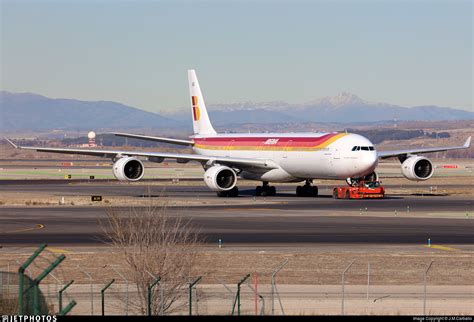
155,138
159,157
395,153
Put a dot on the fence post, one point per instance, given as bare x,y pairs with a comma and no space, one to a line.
424,288
255,280
89,276
21,273
102,295
274,287
8,279
150,288
55,284
368,279
237,297
61,295
343,294
126,286
38,280
191,285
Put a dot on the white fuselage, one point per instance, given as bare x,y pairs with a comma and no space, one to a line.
299,156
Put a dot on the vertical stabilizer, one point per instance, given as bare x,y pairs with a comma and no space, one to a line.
201,123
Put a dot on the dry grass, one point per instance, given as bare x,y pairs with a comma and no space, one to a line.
388,267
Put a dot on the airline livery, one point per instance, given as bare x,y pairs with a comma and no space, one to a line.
266,157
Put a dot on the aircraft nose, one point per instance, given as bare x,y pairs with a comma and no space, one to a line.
370,161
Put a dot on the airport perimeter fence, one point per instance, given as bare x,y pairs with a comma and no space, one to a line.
21,288
272,292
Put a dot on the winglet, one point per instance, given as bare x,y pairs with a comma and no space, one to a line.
467,144
11,143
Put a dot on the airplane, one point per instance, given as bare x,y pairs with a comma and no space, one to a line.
265,157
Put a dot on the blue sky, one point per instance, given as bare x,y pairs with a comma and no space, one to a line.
137,52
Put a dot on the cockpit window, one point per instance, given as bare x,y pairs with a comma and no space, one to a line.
363,148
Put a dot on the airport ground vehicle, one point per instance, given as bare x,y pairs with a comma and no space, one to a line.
362,190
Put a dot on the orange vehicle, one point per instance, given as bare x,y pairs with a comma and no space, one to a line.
360,190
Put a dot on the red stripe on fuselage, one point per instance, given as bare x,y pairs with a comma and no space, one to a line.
259,141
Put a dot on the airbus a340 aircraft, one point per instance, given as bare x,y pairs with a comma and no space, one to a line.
266,157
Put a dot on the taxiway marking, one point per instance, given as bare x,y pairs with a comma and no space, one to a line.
37,227
57,250
450,249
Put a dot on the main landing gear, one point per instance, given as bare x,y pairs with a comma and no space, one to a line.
307,190
234,192
265,190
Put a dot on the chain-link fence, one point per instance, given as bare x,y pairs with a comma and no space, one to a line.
365,288
33,298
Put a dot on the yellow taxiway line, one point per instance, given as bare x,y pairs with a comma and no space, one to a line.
450,249
37,227
57,250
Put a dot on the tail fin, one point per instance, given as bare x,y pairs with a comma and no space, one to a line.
201,123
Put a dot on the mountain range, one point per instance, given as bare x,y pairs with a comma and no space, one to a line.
342,108
26,111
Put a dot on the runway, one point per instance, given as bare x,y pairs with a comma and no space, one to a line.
80,225
284,219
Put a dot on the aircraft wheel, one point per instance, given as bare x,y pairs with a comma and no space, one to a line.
314,191
299,192
234,192
258,191
222,194
272,191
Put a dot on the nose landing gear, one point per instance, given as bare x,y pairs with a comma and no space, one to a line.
265,190
308,190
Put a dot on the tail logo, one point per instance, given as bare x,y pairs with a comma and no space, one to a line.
196,113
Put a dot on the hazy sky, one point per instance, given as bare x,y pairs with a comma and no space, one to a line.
137,52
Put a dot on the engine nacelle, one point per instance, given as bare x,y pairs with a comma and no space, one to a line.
417,168
128,169
220,178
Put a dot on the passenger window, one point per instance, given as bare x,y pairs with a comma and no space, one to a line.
365,148
371,148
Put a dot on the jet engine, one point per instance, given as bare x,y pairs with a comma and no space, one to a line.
128,169
220,178
417,168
